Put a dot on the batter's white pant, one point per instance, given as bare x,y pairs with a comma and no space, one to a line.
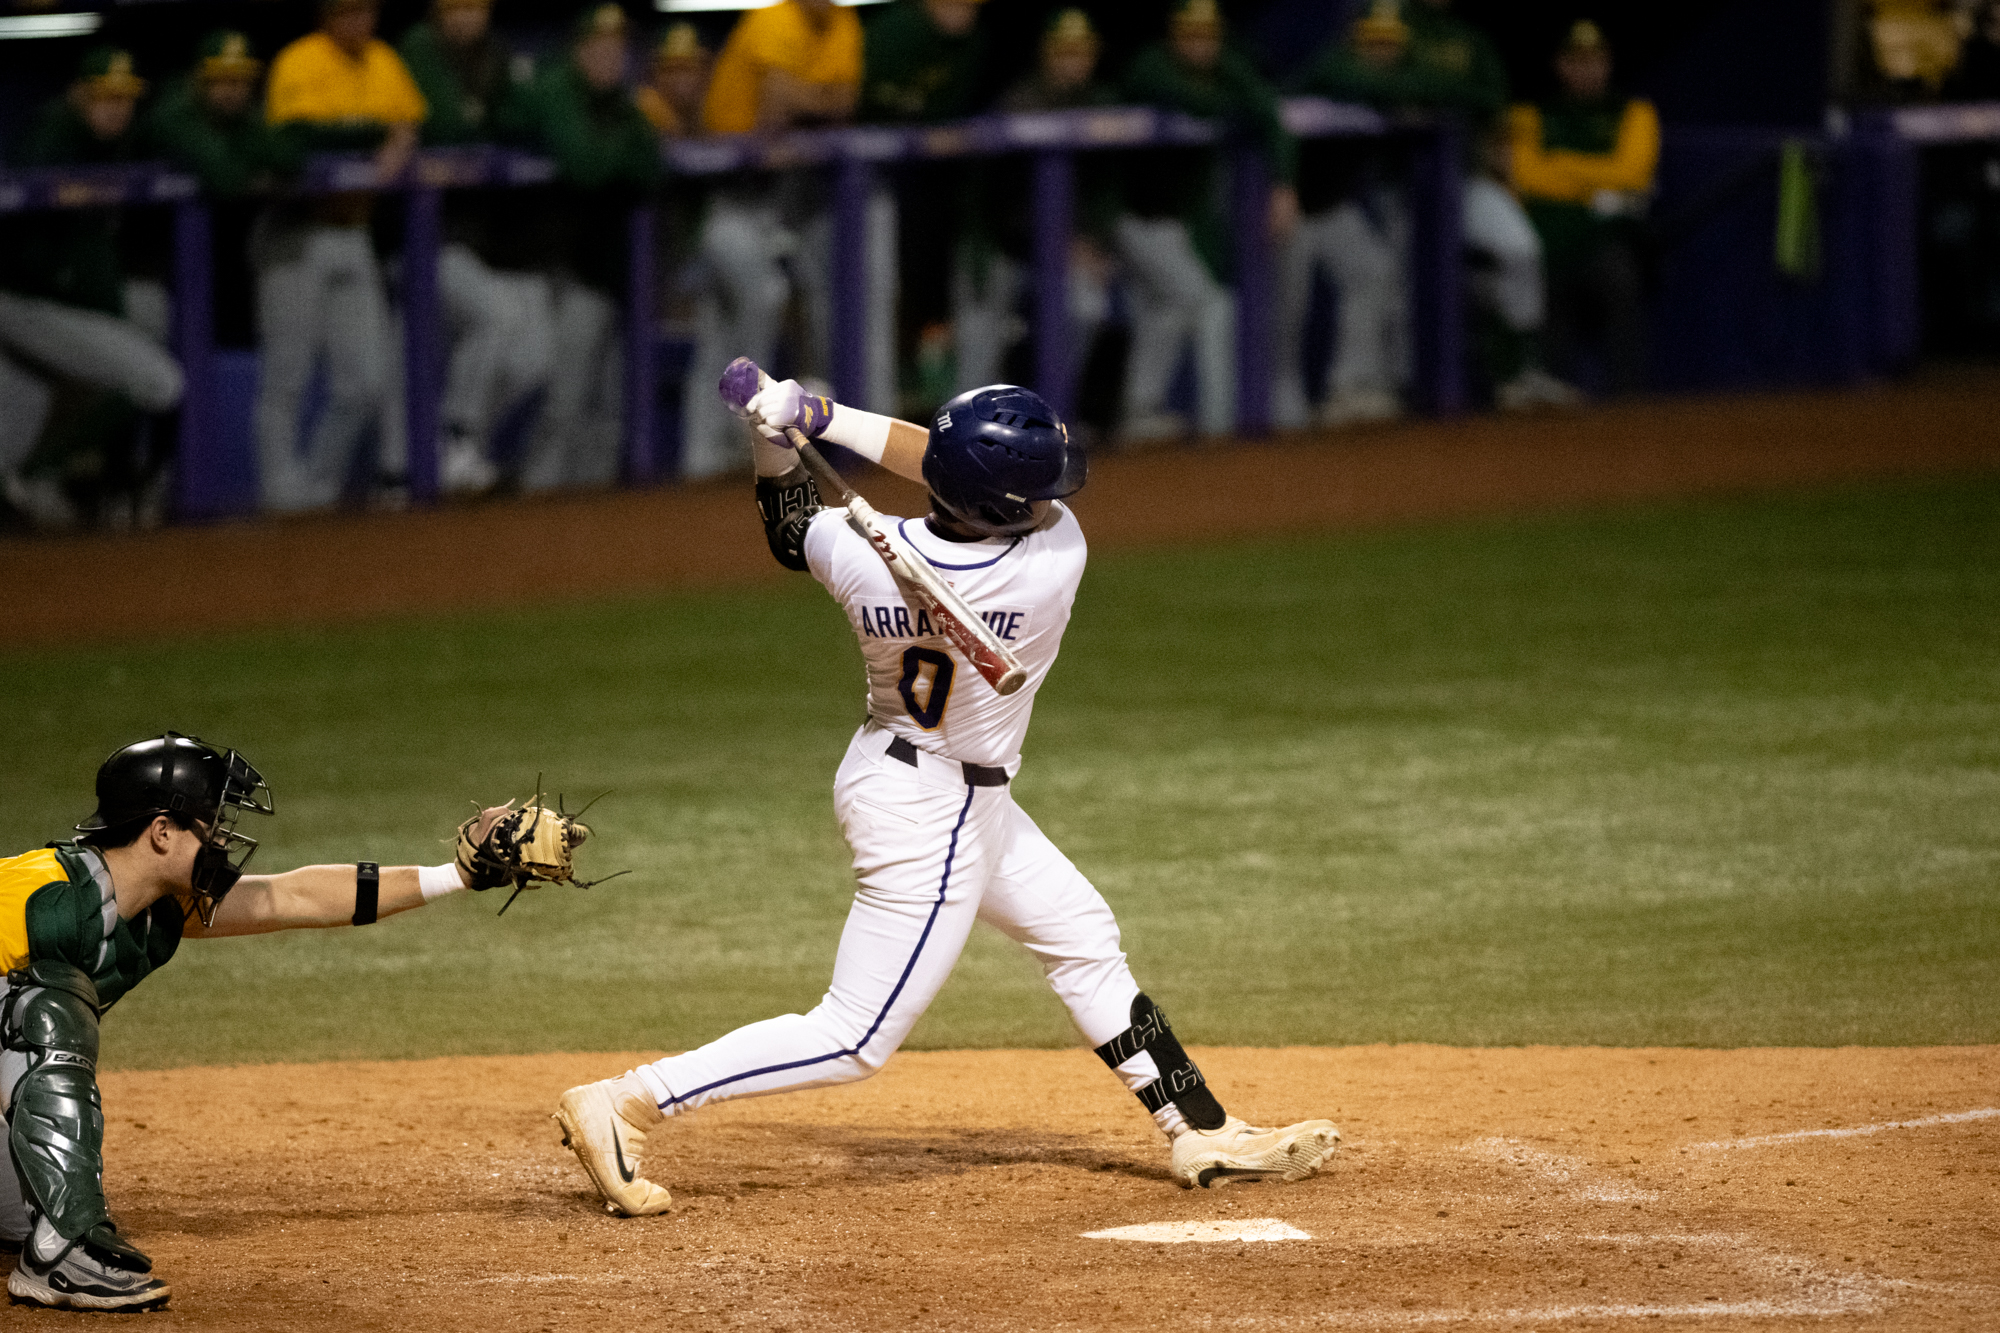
320,301
1175,297
738,313
933,855
502,339
1498,227
1365,254
985,324
576,442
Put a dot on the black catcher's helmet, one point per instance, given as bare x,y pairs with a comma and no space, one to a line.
195,784
993,452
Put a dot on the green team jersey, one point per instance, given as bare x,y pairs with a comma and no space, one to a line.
1185,183
912,71
607,156
230,154
473,91
58,903
67,255
1448,65
1571,232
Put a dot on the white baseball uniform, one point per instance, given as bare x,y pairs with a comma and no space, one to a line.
938,841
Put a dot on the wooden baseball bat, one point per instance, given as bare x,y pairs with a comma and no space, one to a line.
918,578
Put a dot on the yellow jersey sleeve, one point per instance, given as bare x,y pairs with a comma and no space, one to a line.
1572,177
314,80
20,877
780,38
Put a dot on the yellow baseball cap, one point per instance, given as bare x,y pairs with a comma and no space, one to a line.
1197,16
1382,23
1070,29
680,46
107,71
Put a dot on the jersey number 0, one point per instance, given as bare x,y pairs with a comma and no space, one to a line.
926,673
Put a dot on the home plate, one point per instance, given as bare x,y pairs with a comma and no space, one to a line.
1181,1233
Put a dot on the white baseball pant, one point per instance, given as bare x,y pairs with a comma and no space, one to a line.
738,313
320,301
501,339
1365,253
985,325
1497,226
933,854
577,440
93,347
1174,296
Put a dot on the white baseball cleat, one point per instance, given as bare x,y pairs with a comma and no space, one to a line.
605,1125
1240,1152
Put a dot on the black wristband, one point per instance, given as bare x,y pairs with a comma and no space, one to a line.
367,891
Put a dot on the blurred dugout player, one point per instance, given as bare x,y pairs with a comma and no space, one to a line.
1355,227
676,83
1583,162
210,123
1174,238
924,63
607,162
998,242
78,354
795,63
475,90
320,298
1436,62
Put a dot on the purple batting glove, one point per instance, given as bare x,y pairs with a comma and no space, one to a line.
739,385
773,405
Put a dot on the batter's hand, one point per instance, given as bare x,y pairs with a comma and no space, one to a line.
772,405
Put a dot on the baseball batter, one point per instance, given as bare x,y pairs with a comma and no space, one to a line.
924,796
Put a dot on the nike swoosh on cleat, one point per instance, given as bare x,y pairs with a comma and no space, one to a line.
625,1172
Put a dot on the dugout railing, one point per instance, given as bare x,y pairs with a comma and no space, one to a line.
1865,314
211,474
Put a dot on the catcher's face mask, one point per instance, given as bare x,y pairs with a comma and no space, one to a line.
224,852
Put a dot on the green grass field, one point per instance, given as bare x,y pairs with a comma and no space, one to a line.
1716,774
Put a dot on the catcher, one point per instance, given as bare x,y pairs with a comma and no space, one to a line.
84,921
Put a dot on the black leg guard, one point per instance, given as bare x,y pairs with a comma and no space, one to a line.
55,1123
1179,1081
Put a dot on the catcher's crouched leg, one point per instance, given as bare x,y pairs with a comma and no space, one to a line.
73,1256
605,1125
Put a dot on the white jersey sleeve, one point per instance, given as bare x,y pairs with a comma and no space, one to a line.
919,686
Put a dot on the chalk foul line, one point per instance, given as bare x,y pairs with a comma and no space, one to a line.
1855,1131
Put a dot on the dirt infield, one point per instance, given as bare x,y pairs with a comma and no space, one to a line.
311,571
1506,1189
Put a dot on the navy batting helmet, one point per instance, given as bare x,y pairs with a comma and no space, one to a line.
994,452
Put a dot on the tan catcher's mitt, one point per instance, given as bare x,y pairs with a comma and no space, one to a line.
527,848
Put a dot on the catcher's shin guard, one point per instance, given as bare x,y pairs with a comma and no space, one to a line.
55,1121
1179,1081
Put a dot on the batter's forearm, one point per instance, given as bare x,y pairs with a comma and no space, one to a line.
896,445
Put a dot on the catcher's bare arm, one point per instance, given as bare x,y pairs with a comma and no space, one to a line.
314,896
308,897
